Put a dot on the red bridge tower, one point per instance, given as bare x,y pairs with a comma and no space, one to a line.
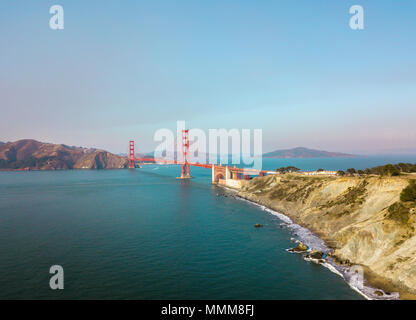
185,155
131,155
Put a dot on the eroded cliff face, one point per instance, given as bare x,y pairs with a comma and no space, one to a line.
361,218
35,155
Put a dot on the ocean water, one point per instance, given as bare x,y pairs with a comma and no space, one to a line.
142,234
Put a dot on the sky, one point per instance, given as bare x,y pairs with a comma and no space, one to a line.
121,70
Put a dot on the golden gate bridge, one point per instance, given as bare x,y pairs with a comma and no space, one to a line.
220,173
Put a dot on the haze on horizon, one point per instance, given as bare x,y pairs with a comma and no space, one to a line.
120,71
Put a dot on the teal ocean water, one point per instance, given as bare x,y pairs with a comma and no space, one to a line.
142,234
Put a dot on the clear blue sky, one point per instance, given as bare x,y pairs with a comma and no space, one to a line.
123,69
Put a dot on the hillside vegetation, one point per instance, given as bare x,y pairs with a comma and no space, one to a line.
385,170
35,155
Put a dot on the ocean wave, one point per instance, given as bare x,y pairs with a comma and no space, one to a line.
313,242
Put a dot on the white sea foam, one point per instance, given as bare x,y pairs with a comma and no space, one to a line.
315,243
306,236
333,269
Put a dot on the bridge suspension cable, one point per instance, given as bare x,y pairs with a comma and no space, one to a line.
236,173
185,155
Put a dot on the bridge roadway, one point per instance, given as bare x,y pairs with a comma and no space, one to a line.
219,171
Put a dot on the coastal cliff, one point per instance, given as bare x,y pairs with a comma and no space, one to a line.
35,155
361,218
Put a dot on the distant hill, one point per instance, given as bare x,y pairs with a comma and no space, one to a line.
34,155
301,152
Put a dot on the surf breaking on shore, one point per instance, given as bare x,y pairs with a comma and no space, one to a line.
313,242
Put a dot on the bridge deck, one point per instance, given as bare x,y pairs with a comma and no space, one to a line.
246,171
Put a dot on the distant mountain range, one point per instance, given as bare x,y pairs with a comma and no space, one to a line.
35,155
301,152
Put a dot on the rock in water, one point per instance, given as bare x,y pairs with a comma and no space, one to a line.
315,254
300,248
258,225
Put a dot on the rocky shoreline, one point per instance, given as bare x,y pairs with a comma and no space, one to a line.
351,215
343,268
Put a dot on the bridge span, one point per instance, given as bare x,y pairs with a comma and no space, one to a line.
220,174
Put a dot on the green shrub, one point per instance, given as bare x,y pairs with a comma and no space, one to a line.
399,213
352,196
351,171
287,169
391,169
409,193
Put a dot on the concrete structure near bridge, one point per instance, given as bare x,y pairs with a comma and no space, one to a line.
234,177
